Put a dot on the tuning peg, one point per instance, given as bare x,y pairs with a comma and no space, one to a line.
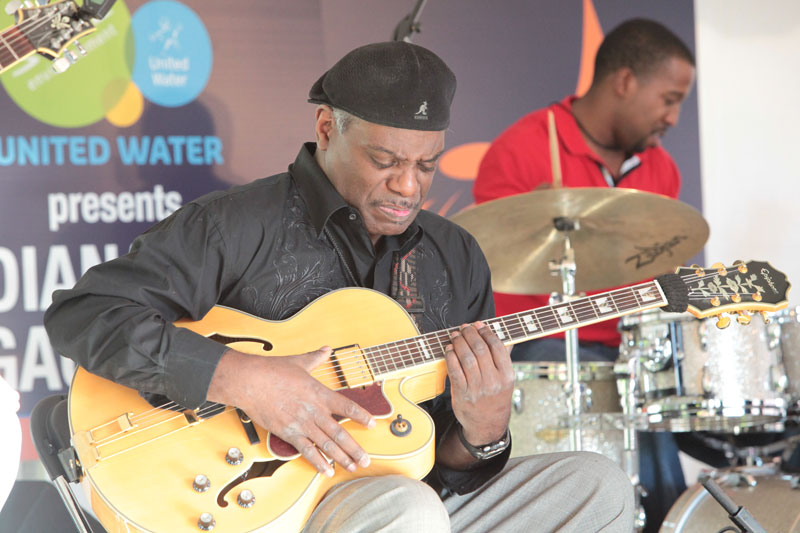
81,49
740,266
72,58
715,301
720,268
723,321
12,7
28,4
765,316
735,298
743,318
756,296
61,64
698,270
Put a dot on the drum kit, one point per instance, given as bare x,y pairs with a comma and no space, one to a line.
674,372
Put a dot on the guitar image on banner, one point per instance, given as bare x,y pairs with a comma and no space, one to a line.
49,30
170,469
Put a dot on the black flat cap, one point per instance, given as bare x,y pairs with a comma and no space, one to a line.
395,83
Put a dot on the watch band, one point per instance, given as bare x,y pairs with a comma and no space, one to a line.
484,451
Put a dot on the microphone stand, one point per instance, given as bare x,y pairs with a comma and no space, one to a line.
738,515
409,24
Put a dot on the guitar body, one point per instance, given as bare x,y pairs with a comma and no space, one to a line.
139,463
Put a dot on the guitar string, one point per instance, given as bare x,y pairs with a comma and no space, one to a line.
202,413
397,351
402,349
409,346
36,23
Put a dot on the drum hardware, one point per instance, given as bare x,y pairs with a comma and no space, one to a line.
738,514
769,496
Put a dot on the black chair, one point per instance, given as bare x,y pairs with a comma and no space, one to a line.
50,432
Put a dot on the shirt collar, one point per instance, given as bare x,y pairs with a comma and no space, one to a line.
319,194
323,200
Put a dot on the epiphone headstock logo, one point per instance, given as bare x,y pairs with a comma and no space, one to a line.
768,279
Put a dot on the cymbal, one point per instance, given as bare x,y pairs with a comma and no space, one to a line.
621,236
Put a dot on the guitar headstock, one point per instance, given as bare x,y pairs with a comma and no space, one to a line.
50,30
741,288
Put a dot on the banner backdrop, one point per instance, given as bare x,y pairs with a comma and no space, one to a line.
173,100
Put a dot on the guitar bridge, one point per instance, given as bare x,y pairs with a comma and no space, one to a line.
85,442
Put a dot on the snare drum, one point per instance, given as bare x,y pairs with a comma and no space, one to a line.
539,416
771,497
789,322
692,376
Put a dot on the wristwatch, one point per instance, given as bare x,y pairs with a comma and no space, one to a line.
484,451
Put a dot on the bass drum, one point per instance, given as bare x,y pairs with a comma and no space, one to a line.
769,496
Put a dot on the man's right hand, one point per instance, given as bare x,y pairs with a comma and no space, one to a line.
279,394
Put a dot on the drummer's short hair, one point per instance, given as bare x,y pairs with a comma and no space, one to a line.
640,45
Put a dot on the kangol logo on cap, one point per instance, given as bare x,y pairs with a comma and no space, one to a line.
422,114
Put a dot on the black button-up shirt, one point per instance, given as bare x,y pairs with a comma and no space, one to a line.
268,248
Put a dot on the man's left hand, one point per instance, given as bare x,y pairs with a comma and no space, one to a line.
481,382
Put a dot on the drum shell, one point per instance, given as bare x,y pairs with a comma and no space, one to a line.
789,322
772,502
539,417
695,376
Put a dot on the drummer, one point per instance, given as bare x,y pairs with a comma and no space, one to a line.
609,137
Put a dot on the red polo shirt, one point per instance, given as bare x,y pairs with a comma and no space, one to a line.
518,161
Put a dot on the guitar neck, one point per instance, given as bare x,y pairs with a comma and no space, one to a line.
385,359
14,46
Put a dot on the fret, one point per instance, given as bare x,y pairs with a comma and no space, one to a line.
439,340
499,330
545,321
624,302
8,46
584,308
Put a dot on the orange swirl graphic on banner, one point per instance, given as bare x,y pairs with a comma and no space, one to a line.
592,37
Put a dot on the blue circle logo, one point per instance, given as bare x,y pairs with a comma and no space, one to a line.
173,53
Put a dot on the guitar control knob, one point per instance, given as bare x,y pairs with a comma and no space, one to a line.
201,483
723,322
400,427
234,456
206,522
246,499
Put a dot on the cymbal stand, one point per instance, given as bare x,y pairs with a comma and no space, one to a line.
566,268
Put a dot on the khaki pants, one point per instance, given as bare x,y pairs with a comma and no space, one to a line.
582,492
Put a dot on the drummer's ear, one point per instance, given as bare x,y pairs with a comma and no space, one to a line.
624,82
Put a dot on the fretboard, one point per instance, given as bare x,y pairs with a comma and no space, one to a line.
14,45
385,359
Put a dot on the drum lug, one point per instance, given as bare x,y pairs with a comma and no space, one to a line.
517,400
738,479
778,378
705,380
702,331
